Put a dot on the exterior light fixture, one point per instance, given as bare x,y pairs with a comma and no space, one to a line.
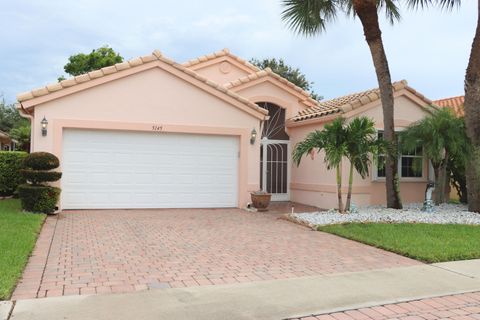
44,123
253,137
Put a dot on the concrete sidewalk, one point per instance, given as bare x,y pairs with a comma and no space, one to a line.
277,299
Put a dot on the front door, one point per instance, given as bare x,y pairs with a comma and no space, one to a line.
274,171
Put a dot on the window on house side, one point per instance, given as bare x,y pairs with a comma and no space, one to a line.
410,164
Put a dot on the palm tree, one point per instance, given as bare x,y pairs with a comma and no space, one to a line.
310,17
361,142
472,105
442,138
355,141
332,140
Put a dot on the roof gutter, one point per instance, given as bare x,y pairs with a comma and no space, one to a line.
25,114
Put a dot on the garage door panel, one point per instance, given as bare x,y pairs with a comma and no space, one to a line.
117,169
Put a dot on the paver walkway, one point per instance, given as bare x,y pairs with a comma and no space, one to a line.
113,251
455,307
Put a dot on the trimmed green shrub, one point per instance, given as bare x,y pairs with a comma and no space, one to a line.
38,198
41,161
37,177
11,162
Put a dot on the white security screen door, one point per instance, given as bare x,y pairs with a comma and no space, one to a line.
274,171
126,169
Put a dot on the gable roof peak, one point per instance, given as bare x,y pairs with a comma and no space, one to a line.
225,52
118,67
261,73
352,101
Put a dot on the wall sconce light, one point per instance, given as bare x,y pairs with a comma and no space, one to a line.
44,123
253,137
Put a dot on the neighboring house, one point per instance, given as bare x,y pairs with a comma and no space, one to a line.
152,133
6,142
454,103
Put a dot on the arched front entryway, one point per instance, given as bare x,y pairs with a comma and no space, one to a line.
275,154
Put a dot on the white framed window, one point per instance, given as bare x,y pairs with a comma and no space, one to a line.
410,164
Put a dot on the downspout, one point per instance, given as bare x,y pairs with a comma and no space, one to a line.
25,114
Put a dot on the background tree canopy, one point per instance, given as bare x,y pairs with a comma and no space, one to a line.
294,75
15,125
81,63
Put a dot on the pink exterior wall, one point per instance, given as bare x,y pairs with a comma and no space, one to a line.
222,71
142,100
313,184
266,91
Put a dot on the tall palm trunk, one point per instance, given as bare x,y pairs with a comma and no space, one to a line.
441,181
339,188
367,13
350,184
472,120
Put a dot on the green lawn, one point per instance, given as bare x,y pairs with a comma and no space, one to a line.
424,242
18,232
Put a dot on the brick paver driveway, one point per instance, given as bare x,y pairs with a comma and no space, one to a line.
108,251
464,306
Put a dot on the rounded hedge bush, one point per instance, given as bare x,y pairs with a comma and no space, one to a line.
11,162
41,161
37,177
38,198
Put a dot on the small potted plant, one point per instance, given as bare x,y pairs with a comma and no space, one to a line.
261,200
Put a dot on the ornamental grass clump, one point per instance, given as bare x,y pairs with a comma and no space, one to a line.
36,195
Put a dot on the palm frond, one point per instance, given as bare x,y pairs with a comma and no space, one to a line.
309,17
444,4
391,9
313,141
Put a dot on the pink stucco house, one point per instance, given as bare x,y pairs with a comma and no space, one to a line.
153,133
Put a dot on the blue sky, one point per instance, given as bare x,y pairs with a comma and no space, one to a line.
428,48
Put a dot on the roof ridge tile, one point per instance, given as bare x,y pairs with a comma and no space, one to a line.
155,56
351,101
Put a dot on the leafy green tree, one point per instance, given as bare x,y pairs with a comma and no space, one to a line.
310,17
472,104
15,125
81,63
294,75
22,136
10,117
442,136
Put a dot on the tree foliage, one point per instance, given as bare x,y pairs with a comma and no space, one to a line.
292,74
15,125
355,140
10,117
81,63
311,17
443,137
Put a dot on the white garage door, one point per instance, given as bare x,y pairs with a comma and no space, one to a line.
120,169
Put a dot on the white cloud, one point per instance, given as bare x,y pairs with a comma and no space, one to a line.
428,48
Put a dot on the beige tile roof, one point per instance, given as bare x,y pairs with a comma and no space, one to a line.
454,103
155,56
265,73
4,135
221,53
350,102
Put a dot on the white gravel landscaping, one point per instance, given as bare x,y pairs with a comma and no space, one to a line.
442,214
